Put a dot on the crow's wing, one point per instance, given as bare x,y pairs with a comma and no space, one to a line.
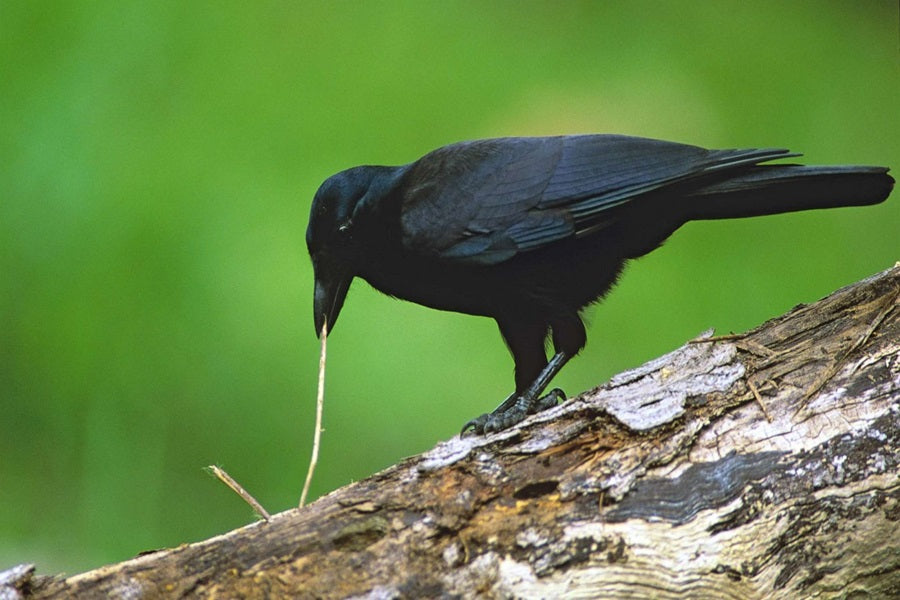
485,201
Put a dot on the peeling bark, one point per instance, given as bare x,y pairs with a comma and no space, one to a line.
763,465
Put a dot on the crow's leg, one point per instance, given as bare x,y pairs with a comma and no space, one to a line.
518,406
525,338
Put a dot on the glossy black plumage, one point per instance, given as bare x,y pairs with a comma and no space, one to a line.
529,231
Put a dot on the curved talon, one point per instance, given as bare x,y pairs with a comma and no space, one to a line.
477,425
549,401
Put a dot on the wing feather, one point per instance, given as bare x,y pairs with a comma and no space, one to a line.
484,202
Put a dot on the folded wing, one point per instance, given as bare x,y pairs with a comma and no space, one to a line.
486,201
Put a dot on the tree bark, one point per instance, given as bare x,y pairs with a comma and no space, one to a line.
760,465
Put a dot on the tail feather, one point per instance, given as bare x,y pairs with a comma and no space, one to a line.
772,189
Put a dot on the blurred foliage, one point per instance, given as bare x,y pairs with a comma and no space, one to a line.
157,160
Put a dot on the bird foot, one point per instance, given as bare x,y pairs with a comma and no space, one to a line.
508,414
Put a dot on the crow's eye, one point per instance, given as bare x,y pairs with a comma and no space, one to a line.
344,228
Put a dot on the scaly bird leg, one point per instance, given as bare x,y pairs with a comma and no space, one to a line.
516,407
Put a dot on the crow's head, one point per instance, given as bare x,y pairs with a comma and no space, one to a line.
339,213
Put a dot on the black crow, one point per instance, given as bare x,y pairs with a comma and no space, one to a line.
529,231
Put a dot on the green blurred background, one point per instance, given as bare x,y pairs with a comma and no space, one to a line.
157,161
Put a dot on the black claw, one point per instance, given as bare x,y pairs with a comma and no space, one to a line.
549,401
476,425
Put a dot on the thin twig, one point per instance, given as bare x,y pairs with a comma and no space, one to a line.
889,305
717,338
317,435
832,369
759,400
240,491
756,348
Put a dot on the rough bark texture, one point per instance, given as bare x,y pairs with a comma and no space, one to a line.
669,481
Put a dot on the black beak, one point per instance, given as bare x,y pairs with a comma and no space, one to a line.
328,298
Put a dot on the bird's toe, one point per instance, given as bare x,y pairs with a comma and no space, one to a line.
498,421
475,425
549,401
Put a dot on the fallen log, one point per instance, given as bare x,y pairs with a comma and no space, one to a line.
758,465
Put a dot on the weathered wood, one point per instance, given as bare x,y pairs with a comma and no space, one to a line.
668,481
